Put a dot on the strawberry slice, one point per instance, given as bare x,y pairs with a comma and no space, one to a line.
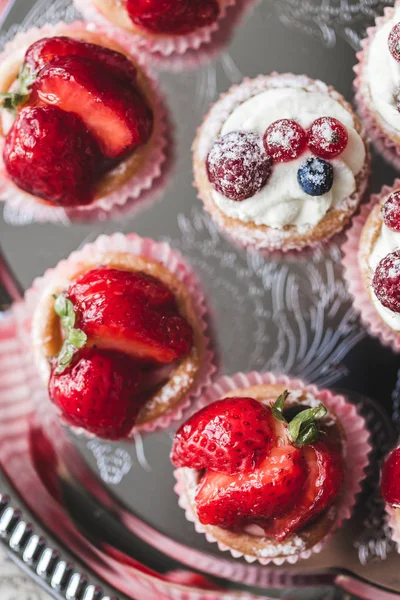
130,312
230,436
324,482
117,115
100,391
232,501
45,50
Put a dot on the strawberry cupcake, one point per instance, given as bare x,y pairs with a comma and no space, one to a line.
281,162
372,265
377,84
119,337
390,488
269,468
82,127
165,27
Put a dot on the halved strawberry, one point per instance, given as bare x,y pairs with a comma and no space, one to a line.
45,50
130,312
231,501
229,436
117,115
324,482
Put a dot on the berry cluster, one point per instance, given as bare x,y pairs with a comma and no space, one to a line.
240,163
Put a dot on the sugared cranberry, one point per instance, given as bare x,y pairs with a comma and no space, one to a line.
391,211
390,482
327,137
386,281
285,140
394,42
237,165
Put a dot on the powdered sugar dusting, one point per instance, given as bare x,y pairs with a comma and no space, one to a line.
386,281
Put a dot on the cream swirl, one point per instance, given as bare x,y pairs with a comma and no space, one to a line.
282,201
383,74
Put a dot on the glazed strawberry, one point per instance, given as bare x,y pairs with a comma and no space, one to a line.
324,482
232,501
229,436
285,140
390,481
131,312
327,137
116,114
51,154
386,281
391,211
99,391
45,50
172,16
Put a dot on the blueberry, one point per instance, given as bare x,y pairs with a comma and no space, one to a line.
315,176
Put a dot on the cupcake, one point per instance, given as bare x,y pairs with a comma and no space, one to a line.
82,127
377,84
118,336
170,26
281,162
390,488
269,468
371,259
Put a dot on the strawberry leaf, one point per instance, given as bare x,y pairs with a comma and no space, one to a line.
303,428
77,338
11,101
65,310
278,406
74,338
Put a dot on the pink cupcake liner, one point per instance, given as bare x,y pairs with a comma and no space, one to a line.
165,45
384,145
357,451
23,208
133,244
361,299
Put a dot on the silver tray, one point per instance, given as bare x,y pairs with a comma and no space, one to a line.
117,519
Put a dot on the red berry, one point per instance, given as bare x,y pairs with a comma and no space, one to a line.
190,579
232,501
51,154
172,16
394,42
100,392
327,137
391,211
117,115
130,312
390,481
229,436
42,52
323,484
237,165
285,140
386,281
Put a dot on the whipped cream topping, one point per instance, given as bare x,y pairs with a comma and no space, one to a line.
282,201
387,242
383,74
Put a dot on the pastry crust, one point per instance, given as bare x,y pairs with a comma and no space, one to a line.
263,236
264,547
125,170
47,334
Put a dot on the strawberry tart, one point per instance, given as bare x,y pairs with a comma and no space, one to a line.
161,26
118,336
269,470
390,488
81,123
281,162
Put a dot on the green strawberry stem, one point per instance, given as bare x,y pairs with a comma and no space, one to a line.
74,338
303,428
11,101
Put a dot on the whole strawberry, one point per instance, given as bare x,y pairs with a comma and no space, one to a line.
99,391
176,17
51,154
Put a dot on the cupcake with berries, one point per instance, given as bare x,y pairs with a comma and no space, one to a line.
377,84
390,488
269,468
372,265
164,27
281,162
119,336
82,125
